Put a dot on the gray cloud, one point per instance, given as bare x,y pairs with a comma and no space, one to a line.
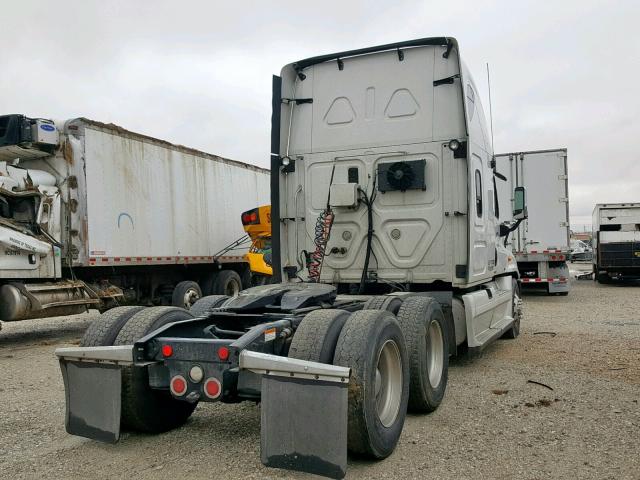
199,72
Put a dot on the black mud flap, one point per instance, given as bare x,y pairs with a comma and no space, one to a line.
304,425
92,392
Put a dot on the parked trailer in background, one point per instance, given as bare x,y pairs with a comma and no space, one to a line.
541,243
616,241
93,215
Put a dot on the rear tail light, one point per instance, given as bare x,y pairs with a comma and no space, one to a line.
212,388
178,385
167,350
250,217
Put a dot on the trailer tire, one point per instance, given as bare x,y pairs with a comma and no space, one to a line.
516,312
384,302
228,282
603,278
205,305
103,331
185,294
425,330
316,337
143,408
372,345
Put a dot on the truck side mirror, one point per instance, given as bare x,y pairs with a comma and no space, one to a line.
519,204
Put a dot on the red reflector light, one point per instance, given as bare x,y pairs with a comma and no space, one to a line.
178,385
223,353
167,350
212,388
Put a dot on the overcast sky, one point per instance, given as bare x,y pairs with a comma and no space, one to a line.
198,73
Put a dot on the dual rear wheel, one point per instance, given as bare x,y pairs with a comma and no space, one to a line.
143,409
397,362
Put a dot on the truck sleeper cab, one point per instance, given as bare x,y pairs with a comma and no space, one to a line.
386,247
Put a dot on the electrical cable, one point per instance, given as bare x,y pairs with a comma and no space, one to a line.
322,232
369,204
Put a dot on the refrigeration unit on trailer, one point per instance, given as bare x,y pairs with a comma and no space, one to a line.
540,244
387,245
616,241
92,215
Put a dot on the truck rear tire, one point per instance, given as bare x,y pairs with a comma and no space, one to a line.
143,408
372,345
185,294
103,331
316,337
425,331
384,302
205,305
228,282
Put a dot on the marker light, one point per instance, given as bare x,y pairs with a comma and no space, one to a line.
223,353
167,350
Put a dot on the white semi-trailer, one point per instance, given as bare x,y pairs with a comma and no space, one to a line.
616,241
541,243
93,215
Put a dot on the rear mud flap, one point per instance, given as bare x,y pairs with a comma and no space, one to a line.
304,425
92,392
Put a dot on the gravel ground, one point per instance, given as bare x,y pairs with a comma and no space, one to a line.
493,423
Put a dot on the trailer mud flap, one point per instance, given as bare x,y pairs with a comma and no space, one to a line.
92,392
304,413
304,425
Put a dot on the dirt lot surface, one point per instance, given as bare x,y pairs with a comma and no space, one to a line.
493,423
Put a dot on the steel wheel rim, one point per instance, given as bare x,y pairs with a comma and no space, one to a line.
435,353
190,297
388,383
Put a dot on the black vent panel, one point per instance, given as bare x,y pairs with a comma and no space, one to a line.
402,176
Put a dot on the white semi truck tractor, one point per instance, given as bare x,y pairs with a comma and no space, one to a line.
616,242
541,243
390,257
94,216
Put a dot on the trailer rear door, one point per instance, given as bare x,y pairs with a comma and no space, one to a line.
544,176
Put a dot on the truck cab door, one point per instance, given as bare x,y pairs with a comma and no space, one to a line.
49,215
481,252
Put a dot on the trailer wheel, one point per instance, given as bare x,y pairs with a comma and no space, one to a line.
316,337
227,283
186,294
383,302
516,311
425,332
372,345
603,278
204,305
103,331
143,408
